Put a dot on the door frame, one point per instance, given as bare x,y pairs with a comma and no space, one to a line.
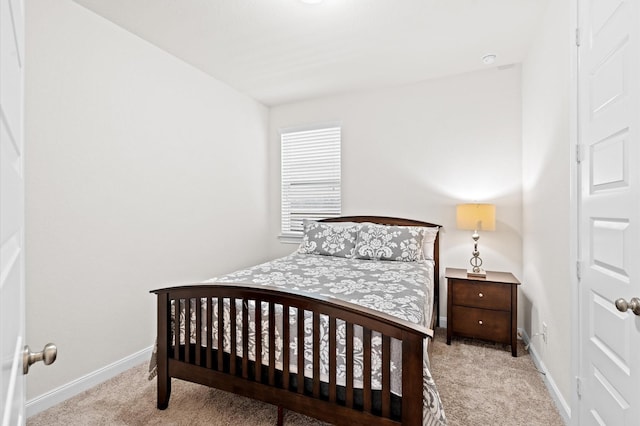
574,223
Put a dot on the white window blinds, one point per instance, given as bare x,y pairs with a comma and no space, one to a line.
310,177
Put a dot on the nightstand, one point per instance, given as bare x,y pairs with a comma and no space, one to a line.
482,308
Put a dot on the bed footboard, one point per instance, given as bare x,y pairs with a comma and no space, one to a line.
274,381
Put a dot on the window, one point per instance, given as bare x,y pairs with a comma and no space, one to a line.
310,174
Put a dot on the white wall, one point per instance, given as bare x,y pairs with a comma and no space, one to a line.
418,150
546,154
141,172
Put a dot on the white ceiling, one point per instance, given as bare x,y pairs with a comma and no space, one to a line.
279,51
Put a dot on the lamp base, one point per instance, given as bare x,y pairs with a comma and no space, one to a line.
477,274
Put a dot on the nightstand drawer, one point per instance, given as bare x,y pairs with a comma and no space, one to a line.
482,323
482,295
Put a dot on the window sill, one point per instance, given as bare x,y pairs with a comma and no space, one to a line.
290,239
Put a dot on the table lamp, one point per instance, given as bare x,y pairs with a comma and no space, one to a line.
476,217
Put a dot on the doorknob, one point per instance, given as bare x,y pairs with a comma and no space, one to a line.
633,305
48,356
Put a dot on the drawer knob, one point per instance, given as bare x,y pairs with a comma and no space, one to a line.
480,294
480,322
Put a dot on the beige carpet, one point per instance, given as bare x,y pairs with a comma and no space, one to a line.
480,384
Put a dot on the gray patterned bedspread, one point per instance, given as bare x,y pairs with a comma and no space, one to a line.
400,289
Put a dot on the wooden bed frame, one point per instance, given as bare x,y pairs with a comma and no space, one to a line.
201,363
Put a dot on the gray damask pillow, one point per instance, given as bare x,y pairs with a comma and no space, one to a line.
328,240
381,242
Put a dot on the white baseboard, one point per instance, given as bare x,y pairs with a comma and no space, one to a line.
71,389
443,322
561,403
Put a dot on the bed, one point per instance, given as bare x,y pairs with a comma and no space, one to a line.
364,314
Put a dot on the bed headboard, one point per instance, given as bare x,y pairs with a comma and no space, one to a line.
383,220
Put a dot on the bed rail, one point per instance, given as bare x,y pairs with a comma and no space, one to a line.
236,372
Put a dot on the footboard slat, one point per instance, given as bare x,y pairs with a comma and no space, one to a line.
349,364
316,355
332,359
187,329
286,338
366,368
272,344
209,332
198,331
386,376
205,359
245,340
176,335
220,333
258,337
233,332
300,348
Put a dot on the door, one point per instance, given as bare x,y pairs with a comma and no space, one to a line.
609,211
12,392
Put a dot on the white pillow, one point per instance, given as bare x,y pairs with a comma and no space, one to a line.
429,242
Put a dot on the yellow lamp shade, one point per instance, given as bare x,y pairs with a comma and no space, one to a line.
476,217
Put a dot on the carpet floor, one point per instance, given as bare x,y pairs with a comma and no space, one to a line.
479,383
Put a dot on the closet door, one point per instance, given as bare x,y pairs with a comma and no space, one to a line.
609,211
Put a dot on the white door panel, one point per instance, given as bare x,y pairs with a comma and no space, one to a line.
12,393
609,162
11,67
609,121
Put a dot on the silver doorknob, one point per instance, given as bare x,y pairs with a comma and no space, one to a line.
633,305
48,356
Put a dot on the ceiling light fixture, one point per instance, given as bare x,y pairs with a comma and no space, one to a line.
488,59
